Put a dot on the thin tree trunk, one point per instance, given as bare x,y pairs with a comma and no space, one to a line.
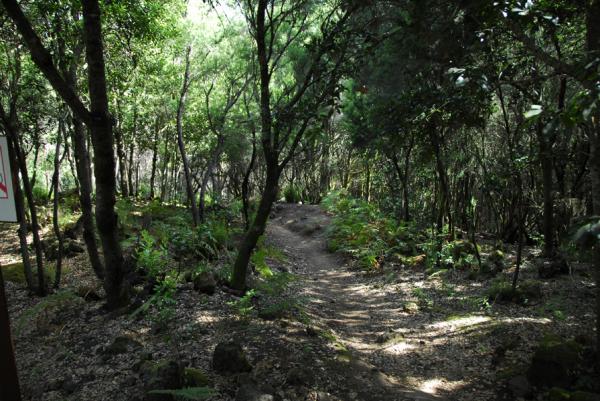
257,228
545,154
82,162
180,113
36,154
35,228
154,159
55,183
130,167
246,182
21,216
214,160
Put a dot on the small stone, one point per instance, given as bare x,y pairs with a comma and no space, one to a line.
160,375
311,331
229,357
205,283
519,386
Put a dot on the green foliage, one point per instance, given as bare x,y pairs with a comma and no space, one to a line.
152,257
363,231
292,194
423,298
40,195
46,308
189,393
527,291
269,297
260,256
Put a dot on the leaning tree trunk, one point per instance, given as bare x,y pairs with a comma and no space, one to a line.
257,228
180,113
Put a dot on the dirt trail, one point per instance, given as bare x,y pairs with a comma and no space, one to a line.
340,302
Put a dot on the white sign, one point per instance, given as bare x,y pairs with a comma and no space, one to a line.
8,211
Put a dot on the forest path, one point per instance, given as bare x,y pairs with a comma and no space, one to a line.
347,311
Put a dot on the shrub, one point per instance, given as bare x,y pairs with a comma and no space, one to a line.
292,194
363,231
40,195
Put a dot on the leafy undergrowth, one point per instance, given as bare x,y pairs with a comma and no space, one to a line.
425,317
446,293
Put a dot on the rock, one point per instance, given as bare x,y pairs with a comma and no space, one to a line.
194,377
121,345
298,376
249,392
69,386
72,247
74,230
161,375
229,357
410,307
554,362
311,331
548,268
205,283
519,386
147,356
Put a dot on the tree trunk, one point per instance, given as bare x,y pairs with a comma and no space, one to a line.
593,50
55,183
21,216
121,156
246,183
9,379
82,163
154,159
545,154
443,180
212,163
257,228
35,228
103,141
180,112
130,167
